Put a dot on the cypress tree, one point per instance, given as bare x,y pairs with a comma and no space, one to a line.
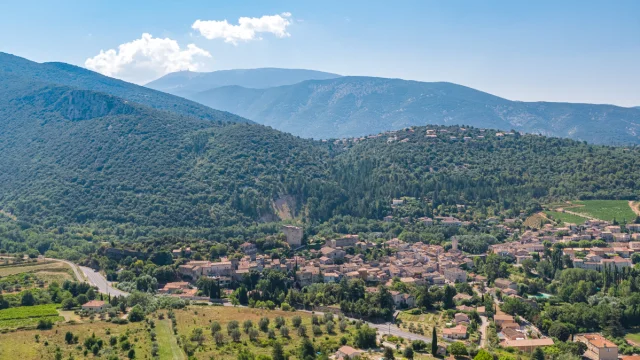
434,343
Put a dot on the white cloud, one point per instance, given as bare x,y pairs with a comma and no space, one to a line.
247,28
147,58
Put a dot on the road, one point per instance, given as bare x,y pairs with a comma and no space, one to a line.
483,331
95,278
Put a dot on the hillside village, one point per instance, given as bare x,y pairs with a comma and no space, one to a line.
418,264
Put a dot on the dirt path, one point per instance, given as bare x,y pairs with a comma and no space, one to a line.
166,338
576,214
635,206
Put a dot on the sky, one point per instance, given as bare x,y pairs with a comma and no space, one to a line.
574,51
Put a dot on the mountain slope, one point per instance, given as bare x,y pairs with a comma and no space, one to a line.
80,78
185,83
80,156
357,106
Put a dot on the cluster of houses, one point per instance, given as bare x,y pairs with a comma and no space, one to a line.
415,264
616,255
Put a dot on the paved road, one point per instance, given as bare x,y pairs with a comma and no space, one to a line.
103,285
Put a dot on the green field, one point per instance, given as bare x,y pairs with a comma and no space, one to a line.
567,218
635,337
25,316
606,209
29,312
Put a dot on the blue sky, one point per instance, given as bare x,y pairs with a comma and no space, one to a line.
576,51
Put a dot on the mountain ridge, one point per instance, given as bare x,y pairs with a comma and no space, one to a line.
357,106
81,78
184,83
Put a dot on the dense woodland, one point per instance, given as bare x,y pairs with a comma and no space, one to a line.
81,166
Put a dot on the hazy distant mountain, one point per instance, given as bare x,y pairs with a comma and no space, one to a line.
80,78
356,106
185,83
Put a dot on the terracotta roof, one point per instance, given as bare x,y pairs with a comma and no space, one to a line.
529,342
94,303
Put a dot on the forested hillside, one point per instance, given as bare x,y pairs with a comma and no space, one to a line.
357,106
73,76
76,158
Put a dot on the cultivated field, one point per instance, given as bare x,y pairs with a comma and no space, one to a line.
202,317
24,346
27,316
605,209
51,269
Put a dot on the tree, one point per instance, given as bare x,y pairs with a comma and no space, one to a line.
27,299
408,352
278,351
559,331
302,331
434,342
296,321
388,354
235,335
263,324
483,355
4,304
457,349
131,354
68,303
136,314
218,338
447,300
365,337
306,350
68,337
215,327
245,354
537,354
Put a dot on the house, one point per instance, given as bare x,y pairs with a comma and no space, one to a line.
94,305
345,241
454,333
598,347
461,318
505,284
249,249
347,352
512,334
402,299
331,277
426,220
527,345
455,275
501,319
332,253
174,287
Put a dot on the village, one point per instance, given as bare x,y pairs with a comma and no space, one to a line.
419,264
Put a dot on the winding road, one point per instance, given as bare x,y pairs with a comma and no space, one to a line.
85,274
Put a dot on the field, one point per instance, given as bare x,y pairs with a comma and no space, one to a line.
535,221
202,317
426,321
605,209
23,345
565,217
634,337
27,316
50,270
